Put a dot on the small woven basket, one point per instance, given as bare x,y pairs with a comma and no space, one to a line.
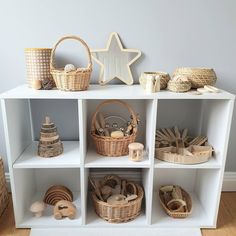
174,214
119,213
73,80
199,77
179,86
113,147
38,64
4,198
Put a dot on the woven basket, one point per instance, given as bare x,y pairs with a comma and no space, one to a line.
179,86
119,213
174,214
4,199
37,64
74,80
199,77
113,147
165,77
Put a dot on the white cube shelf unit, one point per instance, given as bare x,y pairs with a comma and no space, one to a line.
208,114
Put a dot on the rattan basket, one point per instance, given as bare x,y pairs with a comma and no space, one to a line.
113,147
119,213
199,77
176,214
74,80
4,198
37,64
179,86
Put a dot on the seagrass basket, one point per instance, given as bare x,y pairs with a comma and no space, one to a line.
76,80
119,213
109,146
4,199
179,86
199,77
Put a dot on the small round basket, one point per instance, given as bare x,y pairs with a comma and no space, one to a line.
76,80
119,213
109,146
199,77
179,86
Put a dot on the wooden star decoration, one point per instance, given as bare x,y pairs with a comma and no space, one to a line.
115,61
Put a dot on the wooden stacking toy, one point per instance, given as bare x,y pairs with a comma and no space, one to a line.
136,151
50,144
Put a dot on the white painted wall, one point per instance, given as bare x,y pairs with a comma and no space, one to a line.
170,33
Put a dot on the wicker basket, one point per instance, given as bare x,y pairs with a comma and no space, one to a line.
113,147
74,80
165,77
4,199
179,86
119,213
199,77
37,64
176,214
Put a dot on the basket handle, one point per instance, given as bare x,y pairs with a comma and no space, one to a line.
119,102
71,37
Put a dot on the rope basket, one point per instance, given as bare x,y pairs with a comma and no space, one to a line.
76,80
199,77
119,213
179,86
165,77
37,64
109,146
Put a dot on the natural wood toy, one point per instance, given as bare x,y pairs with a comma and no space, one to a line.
36,84
117,199
57,193
50,144
37,208
136,151
63,209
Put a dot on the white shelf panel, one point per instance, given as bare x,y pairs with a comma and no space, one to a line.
211,164
47,220
107,92
198,218
95,160
69,158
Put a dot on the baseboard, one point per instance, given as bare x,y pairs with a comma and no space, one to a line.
229,182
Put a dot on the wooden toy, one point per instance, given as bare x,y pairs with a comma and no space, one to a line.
211,89
117,134
136,151
63,209
117,199
37,208
69,67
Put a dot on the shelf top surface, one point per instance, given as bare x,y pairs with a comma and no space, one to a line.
107,92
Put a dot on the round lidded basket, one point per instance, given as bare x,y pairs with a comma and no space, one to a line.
76,80
110,146
37,64
164,78
119,213
199,77
179,86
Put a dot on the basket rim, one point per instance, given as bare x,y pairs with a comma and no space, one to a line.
109,138
37,49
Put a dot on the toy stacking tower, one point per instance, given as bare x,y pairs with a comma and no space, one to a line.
50,144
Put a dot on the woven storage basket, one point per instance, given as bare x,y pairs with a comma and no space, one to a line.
173,214
199,77
4,199
179,86
119,213
38,64
113,147
165,77
74,80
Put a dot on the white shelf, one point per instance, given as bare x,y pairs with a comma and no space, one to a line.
107,92
47,220
93,160
69,159
198,218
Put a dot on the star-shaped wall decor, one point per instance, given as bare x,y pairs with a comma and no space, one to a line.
115,61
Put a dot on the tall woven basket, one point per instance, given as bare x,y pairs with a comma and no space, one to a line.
4,199
76,80
37,64
109,146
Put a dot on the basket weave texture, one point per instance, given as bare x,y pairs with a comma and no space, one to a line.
119,213
37,64
4,199
74,80
113,147
199,77
179,86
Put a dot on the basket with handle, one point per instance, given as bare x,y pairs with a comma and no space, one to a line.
76,80
110,146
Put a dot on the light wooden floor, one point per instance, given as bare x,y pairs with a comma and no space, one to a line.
226,220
